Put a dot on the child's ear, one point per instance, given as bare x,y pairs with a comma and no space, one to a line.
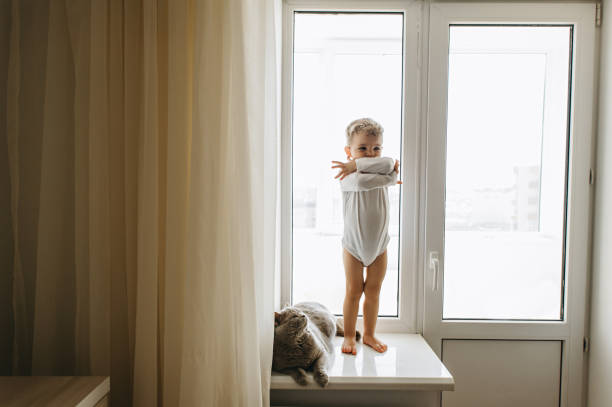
347,150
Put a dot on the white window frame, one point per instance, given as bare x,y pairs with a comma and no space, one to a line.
418,126
570,330
410,286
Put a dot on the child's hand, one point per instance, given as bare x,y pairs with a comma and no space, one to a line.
396,169
345,168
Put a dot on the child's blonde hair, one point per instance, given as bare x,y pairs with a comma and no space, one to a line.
367,125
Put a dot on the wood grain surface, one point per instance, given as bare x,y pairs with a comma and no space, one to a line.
52,391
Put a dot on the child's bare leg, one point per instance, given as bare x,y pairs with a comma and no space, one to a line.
353,270
375,275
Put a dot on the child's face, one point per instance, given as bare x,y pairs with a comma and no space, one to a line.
363,145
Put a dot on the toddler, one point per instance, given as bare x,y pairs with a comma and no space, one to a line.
364,179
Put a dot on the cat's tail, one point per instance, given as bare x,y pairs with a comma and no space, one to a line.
340,329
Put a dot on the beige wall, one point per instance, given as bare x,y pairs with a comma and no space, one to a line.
600,355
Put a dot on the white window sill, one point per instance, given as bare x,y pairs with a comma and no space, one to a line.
408,364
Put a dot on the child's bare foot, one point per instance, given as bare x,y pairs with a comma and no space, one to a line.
374,343
349,345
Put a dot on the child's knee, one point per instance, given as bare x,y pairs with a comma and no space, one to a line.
354,293
372,291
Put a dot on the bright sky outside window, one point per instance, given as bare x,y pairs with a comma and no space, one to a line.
346,66
506,170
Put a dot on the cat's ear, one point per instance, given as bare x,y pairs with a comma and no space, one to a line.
276,318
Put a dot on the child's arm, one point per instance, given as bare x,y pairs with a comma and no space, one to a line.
359,181
370,165
375,165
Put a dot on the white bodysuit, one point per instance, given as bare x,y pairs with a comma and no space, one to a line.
366,207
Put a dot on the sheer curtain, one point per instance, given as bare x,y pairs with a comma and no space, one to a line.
139,195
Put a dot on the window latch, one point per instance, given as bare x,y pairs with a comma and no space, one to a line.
598,14
434,266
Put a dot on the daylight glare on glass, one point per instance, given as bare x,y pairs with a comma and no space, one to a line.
506,172
346,66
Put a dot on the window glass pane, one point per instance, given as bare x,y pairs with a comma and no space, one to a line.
506,172
346,66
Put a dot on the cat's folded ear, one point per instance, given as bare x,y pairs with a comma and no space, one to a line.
276,318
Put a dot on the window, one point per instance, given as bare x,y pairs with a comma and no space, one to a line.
341,64
509,136
345,66
505,210
493,134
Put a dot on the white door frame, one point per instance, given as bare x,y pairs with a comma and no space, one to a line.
571,330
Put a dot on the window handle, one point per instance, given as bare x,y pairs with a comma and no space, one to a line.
434,266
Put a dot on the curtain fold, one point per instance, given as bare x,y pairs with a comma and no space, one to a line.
142,151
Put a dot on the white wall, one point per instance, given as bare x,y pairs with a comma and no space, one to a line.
600,355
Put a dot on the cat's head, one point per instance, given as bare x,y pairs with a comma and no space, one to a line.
290,321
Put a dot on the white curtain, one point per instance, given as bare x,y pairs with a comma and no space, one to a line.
139,193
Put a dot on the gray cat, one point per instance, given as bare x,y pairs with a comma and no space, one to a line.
303,341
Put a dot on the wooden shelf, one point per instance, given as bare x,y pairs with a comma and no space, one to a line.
54,391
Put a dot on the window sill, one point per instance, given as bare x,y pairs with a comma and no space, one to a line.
408,364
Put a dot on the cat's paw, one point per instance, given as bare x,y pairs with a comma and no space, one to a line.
300,377
321,378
